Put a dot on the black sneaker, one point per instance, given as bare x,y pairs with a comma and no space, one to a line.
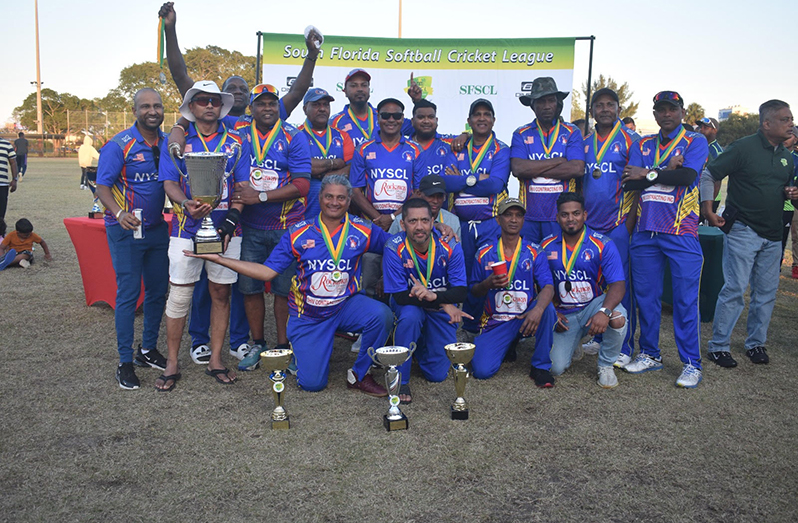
153,359
543,378
126,376
722,359
758,355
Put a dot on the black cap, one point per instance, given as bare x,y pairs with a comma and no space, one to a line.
668,97
390,101
481,101
432,184
605,91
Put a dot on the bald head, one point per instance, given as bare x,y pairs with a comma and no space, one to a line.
140,92
148,109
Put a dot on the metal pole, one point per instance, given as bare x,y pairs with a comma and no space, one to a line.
39,122
258,58
400,18
589,84
66,140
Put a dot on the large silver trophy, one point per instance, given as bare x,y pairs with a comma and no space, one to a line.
275,361
460,355
206,178
392,357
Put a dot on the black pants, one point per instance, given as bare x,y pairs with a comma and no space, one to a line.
786,219
4,200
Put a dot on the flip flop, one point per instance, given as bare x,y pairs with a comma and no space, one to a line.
215,374
404,390
165,378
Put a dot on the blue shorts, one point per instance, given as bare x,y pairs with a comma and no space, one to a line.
256,246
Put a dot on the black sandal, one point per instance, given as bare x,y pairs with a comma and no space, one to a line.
404,390
165,378
216,372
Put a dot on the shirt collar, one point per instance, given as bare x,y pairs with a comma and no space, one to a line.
138,136
767,145
192,129
673,133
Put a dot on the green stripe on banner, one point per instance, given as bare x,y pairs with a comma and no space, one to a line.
424,53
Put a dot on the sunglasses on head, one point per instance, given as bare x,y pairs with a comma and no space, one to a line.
203,101
395,116
667,96
264,88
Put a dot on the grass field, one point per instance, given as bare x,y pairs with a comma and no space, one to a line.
75,447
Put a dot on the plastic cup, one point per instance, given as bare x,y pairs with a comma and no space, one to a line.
499,268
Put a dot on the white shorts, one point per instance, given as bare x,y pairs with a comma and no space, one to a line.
184,270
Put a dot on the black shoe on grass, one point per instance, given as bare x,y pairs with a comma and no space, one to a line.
152,358
722,359
758,355
542,377
126,376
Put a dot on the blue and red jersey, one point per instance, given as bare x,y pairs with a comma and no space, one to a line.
387,176
448,267
597,265
502,305
606,202
363,130
480,202
321,285
128,166
287,159
436,156
223,140
539,194
331,143
666,208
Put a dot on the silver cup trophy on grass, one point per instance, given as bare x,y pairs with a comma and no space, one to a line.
393,357
460,355
276,361
206,178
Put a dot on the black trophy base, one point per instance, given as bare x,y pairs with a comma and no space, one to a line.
208,247
96,215
281,424
395,424
459,414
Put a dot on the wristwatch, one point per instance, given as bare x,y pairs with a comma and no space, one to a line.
606,311
263,196
471,180
652,175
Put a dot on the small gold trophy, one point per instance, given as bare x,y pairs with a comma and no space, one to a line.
460,354
393,357
275,361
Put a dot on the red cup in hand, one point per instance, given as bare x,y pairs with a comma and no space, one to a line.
499,267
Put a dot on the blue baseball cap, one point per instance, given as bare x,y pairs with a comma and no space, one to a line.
314,95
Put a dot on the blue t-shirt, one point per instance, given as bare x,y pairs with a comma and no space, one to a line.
436,157
363,130
597,265
448,269
387,176
340,146
127,165
540,194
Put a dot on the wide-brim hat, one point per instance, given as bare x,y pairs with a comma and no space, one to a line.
206,86
542,86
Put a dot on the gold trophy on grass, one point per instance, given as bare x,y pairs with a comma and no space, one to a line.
393,357
207,180
275,361
460,354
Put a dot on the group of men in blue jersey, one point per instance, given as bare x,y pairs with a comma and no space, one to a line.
370,222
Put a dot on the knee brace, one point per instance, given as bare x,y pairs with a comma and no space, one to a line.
178,305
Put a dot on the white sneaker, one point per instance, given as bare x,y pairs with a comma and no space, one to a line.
357,343
690,377
622,361
643,363
591,347
201,354
24,264
606,377
240,352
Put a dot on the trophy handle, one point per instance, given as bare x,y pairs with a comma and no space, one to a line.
237,152
373,355
412,349
174,152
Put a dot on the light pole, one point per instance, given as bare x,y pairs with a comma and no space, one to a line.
39,123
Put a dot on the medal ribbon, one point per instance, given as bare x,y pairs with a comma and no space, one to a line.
659,158
261,152
476,162
514,262
600,153
430,259
369,122
161,43
553,135
335,250
568,264
325,150
218,146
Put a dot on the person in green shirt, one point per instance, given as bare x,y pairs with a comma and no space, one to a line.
760,170
791,144
709,128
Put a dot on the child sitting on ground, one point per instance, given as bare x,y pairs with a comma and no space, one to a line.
17,246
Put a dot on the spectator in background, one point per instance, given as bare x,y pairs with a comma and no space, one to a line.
709,128
20,241
629,123
21,148
582,124
791,145
87,155
8,174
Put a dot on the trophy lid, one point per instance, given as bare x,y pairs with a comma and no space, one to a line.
460,353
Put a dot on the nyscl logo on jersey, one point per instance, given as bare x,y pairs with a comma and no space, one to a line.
526,264
588,254
441,151
563,139
408,264
280,145
337,142
678,151
615,148
490,155
442,261
353,241
407,156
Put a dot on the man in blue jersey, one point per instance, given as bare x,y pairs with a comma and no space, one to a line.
584,263
432,189
547,158
274,195
325,297
204,106
127,179
665,167
513,308
608,207
331,150
436,151
426,279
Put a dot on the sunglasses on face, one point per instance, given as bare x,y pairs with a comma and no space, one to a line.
395,116
203,101
156,155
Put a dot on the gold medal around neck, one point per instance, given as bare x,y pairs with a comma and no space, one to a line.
596,174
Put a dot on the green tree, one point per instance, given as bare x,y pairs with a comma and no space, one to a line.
694,113
628,108
54,110
737,126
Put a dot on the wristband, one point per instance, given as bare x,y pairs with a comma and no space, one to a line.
178,125
120,211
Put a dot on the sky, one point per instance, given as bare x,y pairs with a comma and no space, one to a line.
714,53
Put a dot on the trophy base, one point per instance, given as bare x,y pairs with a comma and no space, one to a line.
208,247
395,424
281,424
459,414
96,215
